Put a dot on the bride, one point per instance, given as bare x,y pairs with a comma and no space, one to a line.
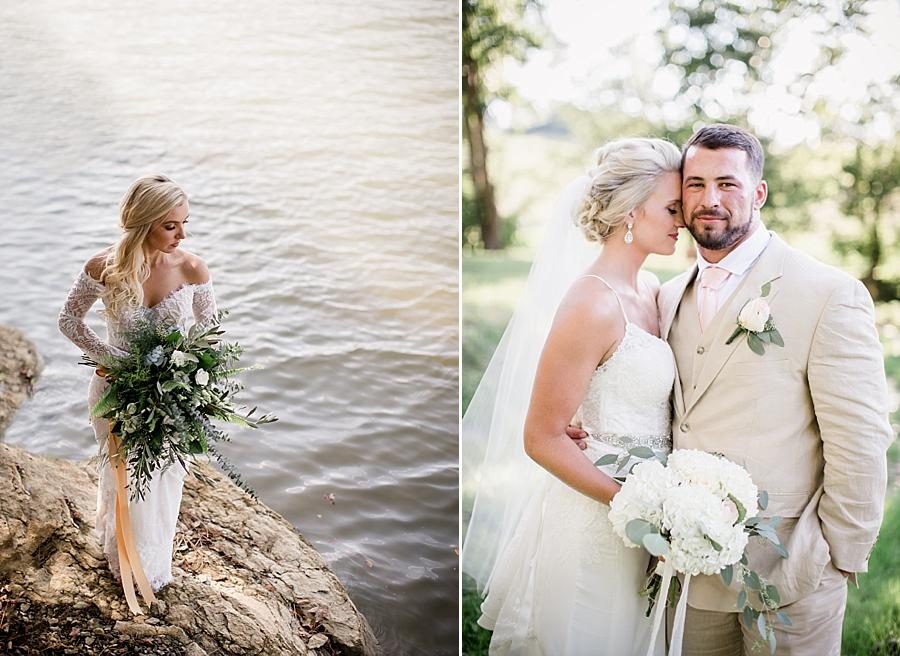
556,579
143,276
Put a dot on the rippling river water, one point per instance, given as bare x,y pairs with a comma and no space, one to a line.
318,144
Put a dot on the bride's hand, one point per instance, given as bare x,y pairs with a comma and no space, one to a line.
578,436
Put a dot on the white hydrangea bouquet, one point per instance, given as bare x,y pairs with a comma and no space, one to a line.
696,511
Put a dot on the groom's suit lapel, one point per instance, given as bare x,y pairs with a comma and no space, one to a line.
667,317
769,266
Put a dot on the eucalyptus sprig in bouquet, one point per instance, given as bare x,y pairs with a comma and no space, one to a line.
163,397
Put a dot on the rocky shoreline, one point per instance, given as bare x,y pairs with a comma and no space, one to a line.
246,582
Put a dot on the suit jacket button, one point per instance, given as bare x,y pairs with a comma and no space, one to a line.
700,350
685,427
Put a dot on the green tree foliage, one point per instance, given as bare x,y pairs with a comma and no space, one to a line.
723,56
718,45
869,194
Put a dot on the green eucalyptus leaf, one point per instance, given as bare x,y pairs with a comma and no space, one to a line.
641,452
776,337
608,459
772,594
742,599
636,529
742,512
763,499
765,289
655,544
783,618
749,616
727,574
761,624
755,344
753,581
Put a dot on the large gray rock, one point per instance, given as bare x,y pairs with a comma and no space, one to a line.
246,582
19,367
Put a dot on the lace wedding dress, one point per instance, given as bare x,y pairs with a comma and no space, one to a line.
153,519
566,584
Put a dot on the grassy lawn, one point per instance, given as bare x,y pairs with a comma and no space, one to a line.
492,283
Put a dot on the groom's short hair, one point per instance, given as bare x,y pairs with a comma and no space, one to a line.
722,135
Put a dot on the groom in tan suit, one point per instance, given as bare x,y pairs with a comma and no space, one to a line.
808,419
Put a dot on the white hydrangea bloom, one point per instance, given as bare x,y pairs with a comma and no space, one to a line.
690,500
641,497
716,474
694,518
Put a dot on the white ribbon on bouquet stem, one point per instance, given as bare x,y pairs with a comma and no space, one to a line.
660,614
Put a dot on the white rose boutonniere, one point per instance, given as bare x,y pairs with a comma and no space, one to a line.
755,319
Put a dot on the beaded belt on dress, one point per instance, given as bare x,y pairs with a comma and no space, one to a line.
631,440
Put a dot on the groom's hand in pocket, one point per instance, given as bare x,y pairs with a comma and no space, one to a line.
578,436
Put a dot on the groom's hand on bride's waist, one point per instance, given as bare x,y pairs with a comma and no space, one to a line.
578,436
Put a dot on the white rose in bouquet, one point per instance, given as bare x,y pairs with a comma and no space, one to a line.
177,358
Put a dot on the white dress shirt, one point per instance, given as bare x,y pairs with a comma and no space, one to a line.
737,262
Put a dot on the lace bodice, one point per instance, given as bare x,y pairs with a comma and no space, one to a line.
183,306
627,402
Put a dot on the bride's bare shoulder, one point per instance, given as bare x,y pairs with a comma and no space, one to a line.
194,269
591,306
97,263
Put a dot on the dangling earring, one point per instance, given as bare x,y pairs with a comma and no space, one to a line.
628,236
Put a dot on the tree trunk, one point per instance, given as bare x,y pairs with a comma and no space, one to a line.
874,256
473,126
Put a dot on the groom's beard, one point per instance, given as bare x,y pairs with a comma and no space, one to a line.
706,237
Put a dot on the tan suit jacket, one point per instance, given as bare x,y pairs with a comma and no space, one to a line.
809,421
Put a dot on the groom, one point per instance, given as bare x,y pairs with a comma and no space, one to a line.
808,419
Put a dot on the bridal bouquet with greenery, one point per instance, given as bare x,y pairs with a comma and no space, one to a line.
696,511
164,396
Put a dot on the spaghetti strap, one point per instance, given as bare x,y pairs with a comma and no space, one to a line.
618,300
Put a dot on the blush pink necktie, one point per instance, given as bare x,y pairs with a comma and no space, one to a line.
711,281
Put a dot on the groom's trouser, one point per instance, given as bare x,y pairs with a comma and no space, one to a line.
815,630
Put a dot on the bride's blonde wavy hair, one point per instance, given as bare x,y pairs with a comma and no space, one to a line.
146,204
624,177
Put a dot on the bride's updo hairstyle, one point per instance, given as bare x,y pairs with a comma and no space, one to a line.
147,203
622,180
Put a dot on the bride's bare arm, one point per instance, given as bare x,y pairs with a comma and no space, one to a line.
587,328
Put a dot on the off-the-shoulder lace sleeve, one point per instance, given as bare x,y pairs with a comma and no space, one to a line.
82,296
204,305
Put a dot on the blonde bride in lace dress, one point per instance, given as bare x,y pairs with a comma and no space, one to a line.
145,276
556,579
